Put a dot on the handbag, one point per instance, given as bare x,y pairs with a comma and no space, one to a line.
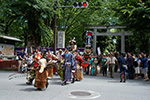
124,66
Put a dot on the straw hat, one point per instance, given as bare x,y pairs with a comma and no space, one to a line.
60,49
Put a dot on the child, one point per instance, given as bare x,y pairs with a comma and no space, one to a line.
94,67
24,67
29,60
61,69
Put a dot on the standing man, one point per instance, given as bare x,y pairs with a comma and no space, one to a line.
70,64
21,59
123,66
111,61
59,55
145,66
86,57
104,67
130,61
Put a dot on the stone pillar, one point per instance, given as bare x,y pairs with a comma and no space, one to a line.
94,41
122,41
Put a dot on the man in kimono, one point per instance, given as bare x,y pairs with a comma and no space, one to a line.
70,66
32,72
73,44
52,63
80,60
86,57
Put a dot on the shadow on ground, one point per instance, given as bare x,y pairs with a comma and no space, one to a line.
29,89
23,84
55,79
32,89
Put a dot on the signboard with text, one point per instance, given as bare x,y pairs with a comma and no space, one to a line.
61,39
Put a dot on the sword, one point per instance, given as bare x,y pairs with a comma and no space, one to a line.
17,76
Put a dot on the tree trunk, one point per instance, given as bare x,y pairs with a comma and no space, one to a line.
33,40
34,36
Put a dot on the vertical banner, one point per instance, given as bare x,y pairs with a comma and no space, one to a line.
31,49
88,38
61,39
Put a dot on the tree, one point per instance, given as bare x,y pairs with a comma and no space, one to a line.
30,16
75,21
33,20
135,15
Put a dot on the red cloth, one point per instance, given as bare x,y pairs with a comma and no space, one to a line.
79,59
89,33
54,70
53,57
1,60
37,57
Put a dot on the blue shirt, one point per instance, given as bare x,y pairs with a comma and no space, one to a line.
130,61
123,60
144,62
91,60
22,55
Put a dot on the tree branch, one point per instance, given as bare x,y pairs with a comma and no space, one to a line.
73,20
7,25
72,29
69,17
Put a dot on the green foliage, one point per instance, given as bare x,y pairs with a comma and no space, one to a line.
33,20
26,19
135,15
74,21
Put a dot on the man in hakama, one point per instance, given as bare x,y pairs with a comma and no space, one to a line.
86,57
79,71
70,66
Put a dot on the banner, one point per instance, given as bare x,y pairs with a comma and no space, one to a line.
7,49
61,39
88,38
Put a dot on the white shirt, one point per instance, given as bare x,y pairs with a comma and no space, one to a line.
30,59
139,62
59,56
112,60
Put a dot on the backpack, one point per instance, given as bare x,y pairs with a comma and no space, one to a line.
135,64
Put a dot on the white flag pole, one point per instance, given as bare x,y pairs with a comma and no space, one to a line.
26,50
99,50
31,49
